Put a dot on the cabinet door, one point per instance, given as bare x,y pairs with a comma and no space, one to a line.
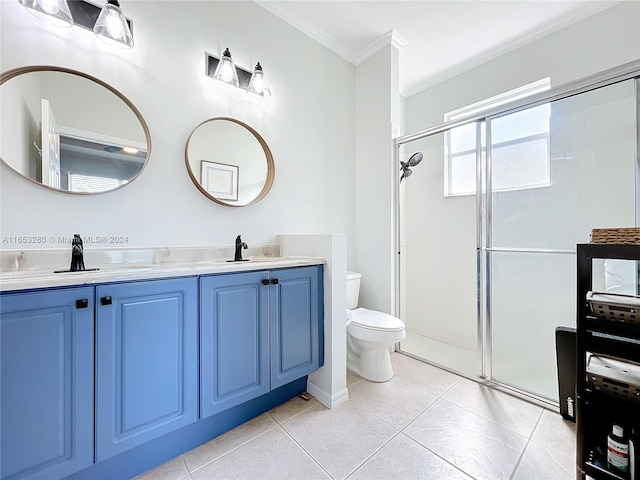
234,340
295,311
46,383
147,362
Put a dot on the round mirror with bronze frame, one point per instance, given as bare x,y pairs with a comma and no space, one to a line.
229,162
69,131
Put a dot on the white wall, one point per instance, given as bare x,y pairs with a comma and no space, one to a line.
377,112
309,124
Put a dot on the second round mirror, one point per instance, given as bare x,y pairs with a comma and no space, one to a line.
229,162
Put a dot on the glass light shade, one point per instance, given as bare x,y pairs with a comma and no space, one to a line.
112,27
226,70
256,84
55,12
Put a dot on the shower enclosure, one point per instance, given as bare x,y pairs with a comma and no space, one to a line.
488,222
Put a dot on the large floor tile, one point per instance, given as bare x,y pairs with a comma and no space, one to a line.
479,447
436,380
208,452
293,407
556,433
397,402
404,459
339,439
172,470
539,462
513,413
272,455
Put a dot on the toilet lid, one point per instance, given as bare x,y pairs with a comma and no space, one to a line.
374,320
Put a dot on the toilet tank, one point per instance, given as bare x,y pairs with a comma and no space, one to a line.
353,289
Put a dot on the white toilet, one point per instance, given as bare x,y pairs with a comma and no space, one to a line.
370,334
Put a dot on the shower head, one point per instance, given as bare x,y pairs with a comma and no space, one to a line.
414,160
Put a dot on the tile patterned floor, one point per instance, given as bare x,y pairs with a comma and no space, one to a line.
425,423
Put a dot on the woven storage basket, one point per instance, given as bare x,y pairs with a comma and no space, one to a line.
628,236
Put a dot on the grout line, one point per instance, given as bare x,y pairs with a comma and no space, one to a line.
375,452
517,465
444,459
371,413
419,415
296,415
493,421
451,387
277,425
307,452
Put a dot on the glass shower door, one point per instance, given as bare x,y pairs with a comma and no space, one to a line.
556,172
438,245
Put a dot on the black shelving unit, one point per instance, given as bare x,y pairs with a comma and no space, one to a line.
598,411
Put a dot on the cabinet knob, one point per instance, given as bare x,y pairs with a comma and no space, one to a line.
82,303
105,301
274,281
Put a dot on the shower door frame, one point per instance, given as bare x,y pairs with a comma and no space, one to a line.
484,200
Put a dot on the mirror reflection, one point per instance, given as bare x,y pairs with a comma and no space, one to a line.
229,162
69,131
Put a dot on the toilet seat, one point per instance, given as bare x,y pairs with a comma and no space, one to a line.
374,320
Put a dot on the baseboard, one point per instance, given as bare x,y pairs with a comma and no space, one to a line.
324,397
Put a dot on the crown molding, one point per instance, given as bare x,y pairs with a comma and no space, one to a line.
295,20
390,38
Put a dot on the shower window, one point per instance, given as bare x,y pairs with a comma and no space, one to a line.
520,153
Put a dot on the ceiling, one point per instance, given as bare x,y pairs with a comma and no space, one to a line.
437,39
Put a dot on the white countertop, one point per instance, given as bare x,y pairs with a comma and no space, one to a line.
126,271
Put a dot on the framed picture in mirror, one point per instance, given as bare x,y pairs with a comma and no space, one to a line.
220,179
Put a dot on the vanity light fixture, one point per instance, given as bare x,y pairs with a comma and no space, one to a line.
112,27
108,22
53,11
225,70
256,84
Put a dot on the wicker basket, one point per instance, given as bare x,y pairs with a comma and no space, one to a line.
620,236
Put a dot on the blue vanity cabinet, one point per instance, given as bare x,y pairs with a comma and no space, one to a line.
234,340
146,361
258,331
46,382
295,304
